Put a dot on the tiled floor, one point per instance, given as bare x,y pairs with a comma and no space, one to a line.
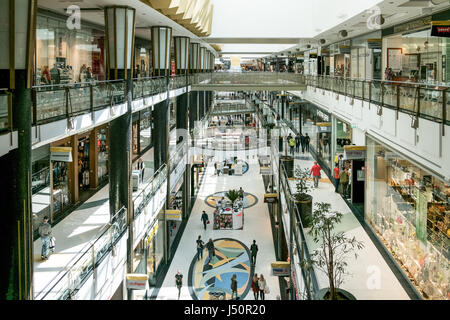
256,227
370,277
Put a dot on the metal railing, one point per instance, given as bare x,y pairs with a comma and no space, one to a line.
299,238
144,87
70,279
55,102
418,99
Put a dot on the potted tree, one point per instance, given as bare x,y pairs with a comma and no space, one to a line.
301,198
331,255
233,195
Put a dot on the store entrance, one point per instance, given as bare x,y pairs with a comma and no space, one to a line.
358,185
83,168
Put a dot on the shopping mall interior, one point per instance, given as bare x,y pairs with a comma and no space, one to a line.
225,150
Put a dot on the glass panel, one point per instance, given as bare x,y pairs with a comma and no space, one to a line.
79,99
81,270
447,107
102,245
375,87
137,88
4,120
50,103
408,98
359,89
101,95
117,92
431,102
390,94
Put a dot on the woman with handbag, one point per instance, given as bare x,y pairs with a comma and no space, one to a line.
262,287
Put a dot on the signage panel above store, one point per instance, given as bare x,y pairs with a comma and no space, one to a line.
281,268
354,152
63,154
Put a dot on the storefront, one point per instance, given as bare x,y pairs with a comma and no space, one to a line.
411,53
141,132
174,214
366,56
66,56
149,253
142,58
340,59
408,207
317,124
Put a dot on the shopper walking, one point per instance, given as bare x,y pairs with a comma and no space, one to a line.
343,178
254,252
336,178
233,287
297,143
45,232
292,145
179,282
307,140
211,250
349,187
315,171
262,287
255,286
200,246
205,219
241,193
303,143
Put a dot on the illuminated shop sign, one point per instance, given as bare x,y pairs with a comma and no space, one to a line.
440,29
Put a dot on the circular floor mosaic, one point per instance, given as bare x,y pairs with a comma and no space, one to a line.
249,199
211,279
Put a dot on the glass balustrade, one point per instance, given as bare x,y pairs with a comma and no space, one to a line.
50,103
390,94
101,95
4,110
79,100
408,98
359,87
375,92
431,101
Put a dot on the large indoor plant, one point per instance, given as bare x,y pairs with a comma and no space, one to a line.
302,199
334,247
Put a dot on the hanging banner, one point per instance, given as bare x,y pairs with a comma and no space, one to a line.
63,154
151,234
354,152
281,268
440,29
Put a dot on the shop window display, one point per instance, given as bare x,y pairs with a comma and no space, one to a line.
83,163
102,149
67,56
409,210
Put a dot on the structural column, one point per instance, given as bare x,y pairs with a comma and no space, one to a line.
18,25
161,43
119,36
182,48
